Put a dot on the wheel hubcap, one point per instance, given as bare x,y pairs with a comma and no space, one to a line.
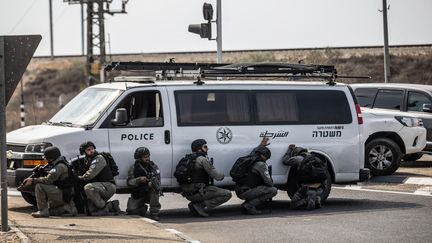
380,157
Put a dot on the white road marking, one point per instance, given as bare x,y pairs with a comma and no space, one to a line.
357,188
427,181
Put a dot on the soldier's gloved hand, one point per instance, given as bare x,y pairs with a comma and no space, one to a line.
264,141
28,181
143,179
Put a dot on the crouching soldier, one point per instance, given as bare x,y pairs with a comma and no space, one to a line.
312,173
144,179
255,184
100,185
54,191
201,194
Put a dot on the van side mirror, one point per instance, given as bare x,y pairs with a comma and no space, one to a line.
120,117
427,108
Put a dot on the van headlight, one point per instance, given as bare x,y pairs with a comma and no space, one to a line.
37,147
410,121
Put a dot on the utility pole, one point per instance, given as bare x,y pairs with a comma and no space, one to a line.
82,30
96,35
386,47
219,30
51,29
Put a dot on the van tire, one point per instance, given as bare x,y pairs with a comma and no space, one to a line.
29,197
412,157
293,184
381,150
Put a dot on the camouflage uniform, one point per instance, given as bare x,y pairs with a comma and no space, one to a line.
49,197
308,195
209,195
98,192
143,193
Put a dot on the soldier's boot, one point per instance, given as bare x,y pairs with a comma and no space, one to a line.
143,211
41,214
298,200
199,208
250,209
192,210
70,209
311,196
154,216
318,202
115,206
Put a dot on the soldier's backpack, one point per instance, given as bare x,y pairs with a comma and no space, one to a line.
184,168
242,167
312,170
111,163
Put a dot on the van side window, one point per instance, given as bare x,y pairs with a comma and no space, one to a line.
302,107
416,101
144,109
207,107
365,96
389,99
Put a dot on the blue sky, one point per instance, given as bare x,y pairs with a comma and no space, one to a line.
161,25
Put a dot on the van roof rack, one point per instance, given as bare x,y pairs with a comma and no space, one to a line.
169,70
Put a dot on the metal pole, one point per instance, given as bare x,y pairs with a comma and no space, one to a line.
386,47
219,30
51,29
102,41
3,165
22,114
82,29
89,59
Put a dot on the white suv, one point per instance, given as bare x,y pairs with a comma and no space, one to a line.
388,136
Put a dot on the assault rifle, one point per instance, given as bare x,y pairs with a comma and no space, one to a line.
152,177
38,171
80,198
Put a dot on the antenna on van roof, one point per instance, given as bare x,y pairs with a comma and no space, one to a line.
168,70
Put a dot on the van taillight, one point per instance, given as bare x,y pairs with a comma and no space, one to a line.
359,114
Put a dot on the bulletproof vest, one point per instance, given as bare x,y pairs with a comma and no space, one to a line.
104,175
199,175
251,179
141,170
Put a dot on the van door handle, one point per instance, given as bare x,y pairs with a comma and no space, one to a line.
167,137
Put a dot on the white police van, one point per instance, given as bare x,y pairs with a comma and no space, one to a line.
233,116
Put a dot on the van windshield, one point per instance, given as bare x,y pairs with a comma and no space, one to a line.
86,107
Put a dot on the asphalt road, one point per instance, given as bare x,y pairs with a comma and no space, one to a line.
348,216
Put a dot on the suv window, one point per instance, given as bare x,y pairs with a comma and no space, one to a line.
365,96
389,99
144,109
416,101
207,107
302,107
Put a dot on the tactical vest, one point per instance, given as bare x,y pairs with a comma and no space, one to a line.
251,179
66,184
141,191
199,175
104,175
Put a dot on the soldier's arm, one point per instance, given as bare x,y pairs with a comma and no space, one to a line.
131,180
210,169
262,169
96,166
53,175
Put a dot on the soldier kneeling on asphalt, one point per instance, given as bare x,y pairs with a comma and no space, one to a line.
254,184
144,179
54,191
100,185
312,173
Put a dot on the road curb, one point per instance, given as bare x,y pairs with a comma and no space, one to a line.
23,238
171,231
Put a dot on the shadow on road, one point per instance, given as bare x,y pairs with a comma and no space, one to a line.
281,208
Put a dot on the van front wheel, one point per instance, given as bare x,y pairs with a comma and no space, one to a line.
293,184
383,156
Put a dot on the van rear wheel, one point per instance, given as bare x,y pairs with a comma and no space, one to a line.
29,197
383,156
293,184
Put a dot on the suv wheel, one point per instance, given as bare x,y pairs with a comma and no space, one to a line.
293,185
383,156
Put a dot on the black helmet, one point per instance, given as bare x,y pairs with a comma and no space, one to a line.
85,145
298,150
52,153
197,144
140,152
262,150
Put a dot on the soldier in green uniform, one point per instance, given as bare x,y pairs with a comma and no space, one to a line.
100,185
54,191
144,179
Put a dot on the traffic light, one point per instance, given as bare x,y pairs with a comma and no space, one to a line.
204,29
